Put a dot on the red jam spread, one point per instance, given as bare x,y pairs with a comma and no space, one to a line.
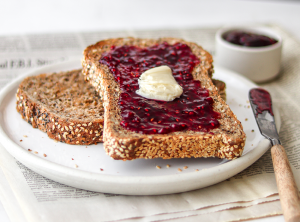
262,99
192,111
248,39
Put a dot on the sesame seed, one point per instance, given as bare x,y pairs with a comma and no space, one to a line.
78,125
29,150
79,135
168,166
56,123
76,166
158,167
53,127
179,170
71,127
196,170
25,135
185,167
66,128
77,142
35,152
84,124
90,123
45,155
96,131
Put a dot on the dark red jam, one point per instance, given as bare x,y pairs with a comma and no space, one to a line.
262,99
248,39
192,111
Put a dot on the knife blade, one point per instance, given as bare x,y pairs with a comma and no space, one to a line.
261,104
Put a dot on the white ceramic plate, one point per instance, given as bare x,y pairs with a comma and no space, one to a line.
97,172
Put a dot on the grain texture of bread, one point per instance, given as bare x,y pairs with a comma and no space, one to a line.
227,141
221,86
63,105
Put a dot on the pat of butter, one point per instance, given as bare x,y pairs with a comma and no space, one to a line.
159,83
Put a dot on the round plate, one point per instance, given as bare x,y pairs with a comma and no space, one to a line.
88,167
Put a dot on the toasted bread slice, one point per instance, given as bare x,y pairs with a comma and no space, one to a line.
63,105
226,141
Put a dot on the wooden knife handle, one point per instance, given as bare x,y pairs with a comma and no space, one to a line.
287,188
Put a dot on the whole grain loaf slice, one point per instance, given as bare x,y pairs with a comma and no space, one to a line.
226,141
63,105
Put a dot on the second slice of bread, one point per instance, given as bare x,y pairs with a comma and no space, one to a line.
63,105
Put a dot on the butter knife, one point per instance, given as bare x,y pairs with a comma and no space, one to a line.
261,105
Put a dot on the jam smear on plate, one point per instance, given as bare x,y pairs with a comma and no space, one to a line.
193,110
248,39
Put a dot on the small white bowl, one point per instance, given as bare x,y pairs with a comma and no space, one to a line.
259,64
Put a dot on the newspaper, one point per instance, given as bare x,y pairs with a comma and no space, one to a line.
250,194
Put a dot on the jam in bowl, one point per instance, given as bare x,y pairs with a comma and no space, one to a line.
248,39
253,52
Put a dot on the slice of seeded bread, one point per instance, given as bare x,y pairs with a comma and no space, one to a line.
63,105
226,141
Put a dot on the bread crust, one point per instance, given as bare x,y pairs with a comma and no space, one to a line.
227,141
63,106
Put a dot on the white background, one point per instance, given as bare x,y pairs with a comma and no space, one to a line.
40,16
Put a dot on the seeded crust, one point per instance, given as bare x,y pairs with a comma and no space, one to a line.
221,86
227,141
63,105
